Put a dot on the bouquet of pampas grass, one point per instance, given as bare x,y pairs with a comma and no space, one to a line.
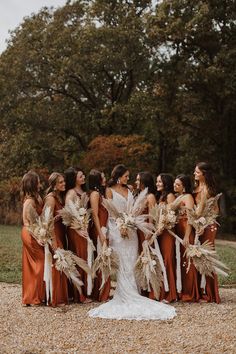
204,259
164,216
131,218
203,215
148,272
67,262
76,214
41,227
107,263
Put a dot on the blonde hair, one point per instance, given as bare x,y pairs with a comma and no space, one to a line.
52,181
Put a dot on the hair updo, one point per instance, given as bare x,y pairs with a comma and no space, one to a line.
117,172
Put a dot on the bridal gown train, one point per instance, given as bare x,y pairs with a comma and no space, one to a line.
127,303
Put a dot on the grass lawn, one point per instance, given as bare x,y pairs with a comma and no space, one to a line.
10,257
10,254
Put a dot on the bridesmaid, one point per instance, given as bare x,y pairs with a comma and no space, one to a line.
75,187
189,292
55,200
145,180
165,194
33,287
97,183
206,188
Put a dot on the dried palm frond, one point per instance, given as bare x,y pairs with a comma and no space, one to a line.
130,219
66,262
176,203
84,199
41,227
76,215
204,216
111,208
140,203
204,258
164,217
148,272
107,262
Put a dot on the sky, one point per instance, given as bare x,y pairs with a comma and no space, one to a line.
12,13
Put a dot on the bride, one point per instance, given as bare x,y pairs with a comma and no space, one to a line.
127,303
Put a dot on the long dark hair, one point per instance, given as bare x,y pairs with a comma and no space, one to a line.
95,181
29,186
210,181
146,179
168,187
70,178
186,182
117,172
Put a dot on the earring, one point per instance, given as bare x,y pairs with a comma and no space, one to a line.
183,190
118,181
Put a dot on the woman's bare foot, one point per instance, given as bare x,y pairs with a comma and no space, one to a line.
87,301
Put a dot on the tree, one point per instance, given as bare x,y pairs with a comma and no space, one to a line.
104,152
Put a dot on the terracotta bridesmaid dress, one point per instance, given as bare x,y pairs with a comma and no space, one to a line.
98,295
78,245
190,290
167,248
59,280
33,286
211,291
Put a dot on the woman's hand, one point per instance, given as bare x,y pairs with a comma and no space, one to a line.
103,239
186,241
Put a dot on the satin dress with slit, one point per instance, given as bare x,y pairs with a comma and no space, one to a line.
210,292
190,287
78,245
59,280
33,286
103,294
167,247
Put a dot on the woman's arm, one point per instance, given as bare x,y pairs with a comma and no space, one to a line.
50,202
70,195
108,193
170,198
151,202
189,203
28,204
94,202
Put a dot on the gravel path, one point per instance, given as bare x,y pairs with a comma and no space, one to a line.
198,328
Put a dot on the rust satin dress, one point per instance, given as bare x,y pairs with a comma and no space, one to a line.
59,280
211,291
78,245
190,288
33,286
98,295
167,248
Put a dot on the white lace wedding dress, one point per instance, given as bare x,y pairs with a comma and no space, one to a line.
127,303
